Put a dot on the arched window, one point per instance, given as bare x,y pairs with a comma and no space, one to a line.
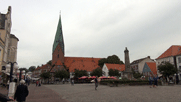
58,56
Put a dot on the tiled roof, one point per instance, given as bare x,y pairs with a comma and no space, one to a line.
37,68
120,67
42,67
58,63
152,66
81,63
172,51
139,60
179,52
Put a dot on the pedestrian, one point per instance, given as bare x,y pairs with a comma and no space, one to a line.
155,78
37,83
5,98
7,85
21,92
96,83
150,80
72,82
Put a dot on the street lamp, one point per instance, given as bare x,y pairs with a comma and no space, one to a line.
11,64
21,73
11,84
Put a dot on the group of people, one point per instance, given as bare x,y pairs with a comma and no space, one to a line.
153,78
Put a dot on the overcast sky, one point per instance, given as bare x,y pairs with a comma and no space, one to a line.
94,28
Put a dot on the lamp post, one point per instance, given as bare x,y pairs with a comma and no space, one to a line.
11,84
11,64
20,74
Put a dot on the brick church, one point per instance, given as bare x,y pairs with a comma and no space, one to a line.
71,63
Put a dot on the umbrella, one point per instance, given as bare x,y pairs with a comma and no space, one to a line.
112,77
83,77
103,77
92,77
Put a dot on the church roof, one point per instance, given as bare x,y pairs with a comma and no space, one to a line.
120,67
172,51
58,63
81,63
59,37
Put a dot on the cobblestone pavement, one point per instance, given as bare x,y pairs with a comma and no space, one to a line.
42,94
87,93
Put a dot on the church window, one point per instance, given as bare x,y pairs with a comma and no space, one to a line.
58,56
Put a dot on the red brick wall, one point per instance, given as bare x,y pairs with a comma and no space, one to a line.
57,55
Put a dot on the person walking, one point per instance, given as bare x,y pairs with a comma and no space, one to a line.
96,83
72,81
150,80
21,92
37,83
155,78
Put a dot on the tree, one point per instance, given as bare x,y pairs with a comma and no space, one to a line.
114,60
102,61
61,74
32,68
49,62
136,75
110,59
97,72
114,72
79,73
167,69
45,75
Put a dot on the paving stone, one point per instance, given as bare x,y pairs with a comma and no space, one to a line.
87,93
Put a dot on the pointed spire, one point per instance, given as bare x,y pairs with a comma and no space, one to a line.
59,37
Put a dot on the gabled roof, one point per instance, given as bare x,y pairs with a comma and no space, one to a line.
179,52
81,63
152,66
139,60
59,37
172,51
120,67
58,63
42,67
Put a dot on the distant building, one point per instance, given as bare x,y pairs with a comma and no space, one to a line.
178,60
149,69
137,65
8,41
40,69
172,55
107,66
61,62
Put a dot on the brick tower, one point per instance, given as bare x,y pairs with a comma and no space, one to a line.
58,45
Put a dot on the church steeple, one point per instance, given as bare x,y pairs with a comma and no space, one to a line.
59,37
